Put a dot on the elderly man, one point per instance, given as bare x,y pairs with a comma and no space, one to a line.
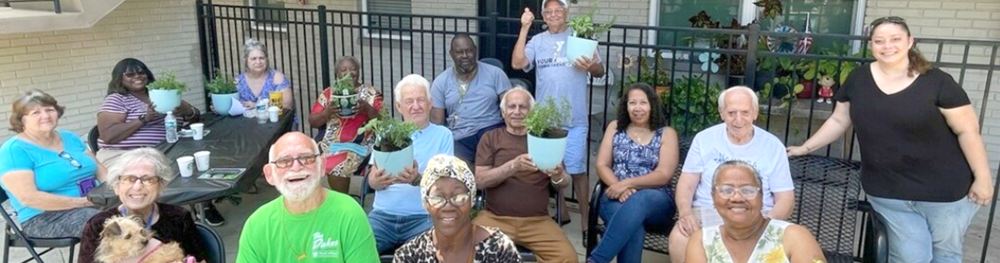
469,94
560,78
398,214
517,192
736,139
307,223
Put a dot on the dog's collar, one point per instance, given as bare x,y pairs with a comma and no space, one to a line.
150,252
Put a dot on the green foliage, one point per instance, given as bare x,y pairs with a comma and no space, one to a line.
390,134
584,27
167,81
646,73
546,118
810,69
345,87
692,105
221,84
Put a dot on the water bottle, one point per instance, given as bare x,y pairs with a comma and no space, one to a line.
262,109
170,123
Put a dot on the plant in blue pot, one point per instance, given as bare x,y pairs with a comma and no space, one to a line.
546,136
165,92
583,42
393,149
223,91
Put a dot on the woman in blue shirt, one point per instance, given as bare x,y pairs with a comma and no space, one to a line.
45,171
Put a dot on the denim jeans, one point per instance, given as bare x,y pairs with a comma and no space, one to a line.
624,234
925,231
392,231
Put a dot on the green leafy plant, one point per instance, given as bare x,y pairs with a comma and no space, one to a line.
648,72
345,87
168,81
584,27
547,119
692,105
390,134
221,84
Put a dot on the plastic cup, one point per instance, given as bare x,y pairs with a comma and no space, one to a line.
201,160
186,165
198,131
272,113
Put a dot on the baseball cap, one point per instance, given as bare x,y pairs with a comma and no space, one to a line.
562,2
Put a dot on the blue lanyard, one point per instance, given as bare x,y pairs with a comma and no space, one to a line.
149,219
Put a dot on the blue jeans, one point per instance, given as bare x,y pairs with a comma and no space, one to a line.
392,231
925,231
625,233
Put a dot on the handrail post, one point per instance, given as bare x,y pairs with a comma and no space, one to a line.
753,36
491,45
57,6
203,43
324,52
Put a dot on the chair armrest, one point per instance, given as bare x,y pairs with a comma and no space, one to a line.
876,238
595,208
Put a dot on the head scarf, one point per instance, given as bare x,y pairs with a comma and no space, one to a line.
444,166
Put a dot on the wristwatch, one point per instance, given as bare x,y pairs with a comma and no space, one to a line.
142,118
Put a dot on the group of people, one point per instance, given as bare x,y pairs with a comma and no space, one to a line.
732,200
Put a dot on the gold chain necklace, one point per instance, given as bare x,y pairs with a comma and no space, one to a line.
288,243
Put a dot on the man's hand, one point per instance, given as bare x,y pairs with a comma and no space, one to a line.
688,224
522,163
378,179
584,63
408,175
527,18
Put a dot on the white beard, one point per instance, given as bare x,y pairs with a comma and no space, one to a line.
299,191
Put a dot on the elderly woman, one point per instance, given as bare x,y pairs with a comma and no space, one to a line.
919,162
345,149
47,172
448,188
637,159
260,79
138,177
746,235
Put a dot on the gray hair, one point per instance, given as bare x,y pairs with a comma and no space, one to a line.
161,165
753,97
736,164
503,98
250,45
411,80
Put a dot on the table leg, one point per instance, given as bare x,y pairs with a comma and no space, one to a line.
199,212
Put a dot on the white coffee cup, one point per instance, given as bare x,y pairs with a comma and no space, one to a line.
272,113
201,160
198,131
186,165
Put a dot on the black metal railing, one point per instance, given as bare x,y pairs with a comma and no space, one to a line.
306,42
55,4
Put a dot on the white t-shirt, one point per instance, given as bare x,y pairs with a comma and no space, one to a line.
711,147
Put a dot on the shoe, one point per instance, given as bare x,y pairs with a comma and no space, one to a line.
212,216
566,221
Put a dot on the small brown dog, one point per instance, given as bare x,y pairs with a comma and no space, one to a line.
125,240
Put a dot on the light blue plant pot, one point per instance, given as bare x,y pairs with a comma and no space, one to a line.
394,162
580,47
221,103
165,100
547,153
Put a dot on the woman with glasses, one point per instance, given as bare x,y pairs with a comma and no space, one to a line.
342,145
260,80
127,120
923,165
746,235
448,189
137,177
47,172
637,159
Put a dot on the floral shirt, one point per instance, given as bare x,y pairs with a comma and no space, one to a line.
497,248
344,163
769,248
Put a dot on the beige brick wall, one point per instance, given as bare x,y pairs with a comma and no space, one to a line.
75,65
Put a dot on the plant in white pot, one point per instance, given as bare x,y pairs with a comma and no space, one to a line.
344,96
583,42
165,92
223,91
393,149
546,137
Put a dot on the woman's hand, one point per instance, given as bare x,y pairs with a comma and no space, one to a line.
981,192
331,111
797,151
625,195
616,190
249,105
151,114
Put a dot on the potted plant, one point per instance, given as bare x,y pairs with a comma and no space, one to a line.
165,92
659,77
546,138
223,91
344,96
692,105
583,42
393,149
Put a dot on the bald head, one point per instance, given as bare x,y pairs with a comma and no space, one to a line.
289,141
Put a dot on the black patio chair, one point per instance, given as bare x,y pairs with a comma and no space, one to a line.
14,237
212,242
92,137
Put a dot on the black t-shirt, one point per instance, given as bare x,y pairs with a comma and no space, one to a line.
908,151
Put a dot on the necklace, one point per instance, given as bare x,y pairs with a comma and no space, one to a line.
288,243
637,136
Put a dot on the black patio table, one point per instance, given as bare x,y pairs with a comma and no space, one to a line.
235,142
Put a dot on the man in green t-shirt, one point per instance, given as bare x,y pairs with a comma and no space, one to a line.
307,223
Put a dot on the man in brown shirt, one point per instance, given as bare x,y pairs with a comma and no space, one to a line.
517,195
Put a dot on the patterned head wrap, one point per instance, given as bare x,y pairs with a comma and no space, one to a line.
444,166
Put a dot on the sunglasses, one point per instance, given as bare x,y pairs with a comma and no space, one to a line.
65,155
888,19
130,180
288,162
136,74
438,202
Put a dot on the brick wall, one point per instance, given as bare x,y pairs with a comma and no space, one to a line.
75,65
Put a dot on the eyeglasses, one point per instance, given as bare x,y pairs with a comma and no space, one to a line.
728,191
890,19
136,74
65,155
438,202
553,11
130,180
303,160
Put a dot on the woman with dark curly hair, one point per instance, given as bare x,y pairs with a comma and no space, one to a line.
637,159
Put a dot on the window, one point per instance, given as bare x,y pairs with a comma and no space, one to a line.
400,11
265,18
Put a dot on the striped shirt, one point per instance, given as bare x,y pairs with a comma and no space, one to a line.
149,135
